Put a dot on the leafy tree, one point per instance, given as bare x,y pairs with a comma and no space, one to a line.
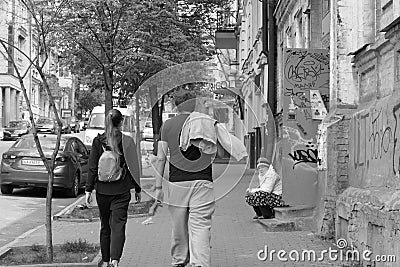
178,31
102,36
38,18
118,44
87,100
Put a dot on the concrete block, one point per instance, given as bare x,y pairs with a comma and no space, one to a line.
275,225
289,213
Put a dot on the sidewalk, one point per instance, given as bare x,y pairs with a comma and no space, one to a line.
236,238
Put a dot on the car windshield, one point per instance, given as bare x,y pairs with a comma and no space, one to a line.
15,124
47,142
44,121
96,121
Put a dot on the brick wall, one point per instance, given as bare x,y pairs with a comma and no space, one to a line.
334,180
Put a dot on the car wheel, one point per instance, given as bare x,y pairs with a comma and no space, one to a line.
74,190
6,189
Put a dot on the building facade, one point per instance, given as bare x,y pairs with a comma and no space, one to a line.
366,50
15,30
22,41
254,40
351,149
357,173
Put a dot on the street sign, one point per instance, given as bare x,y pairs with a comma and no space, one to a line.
66,113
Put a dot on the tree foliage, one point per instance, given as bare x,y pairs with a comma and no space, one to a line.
87,100
118,44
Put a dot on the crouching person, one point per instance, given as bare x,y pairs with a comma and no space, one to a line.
269,193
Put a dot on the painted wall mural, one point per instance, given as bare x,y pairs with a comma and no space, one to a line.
375,144
305,95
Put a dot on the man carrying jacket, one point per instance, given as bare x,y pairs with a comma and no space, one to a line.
190,193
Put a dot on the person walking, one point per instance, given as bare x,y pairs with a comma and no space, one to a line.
190,193
113,184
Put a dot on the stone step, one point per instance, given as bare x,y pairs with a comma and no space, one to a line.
274,225
296,224
291,212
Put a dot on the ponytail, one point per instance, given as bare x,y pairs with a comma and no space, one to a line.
112,131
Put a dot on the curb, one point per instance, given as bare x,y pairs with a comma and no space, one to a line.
96,262
97,219
68,209
27,233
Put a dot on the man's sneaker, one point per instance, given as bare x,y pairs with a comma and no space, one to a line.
257,217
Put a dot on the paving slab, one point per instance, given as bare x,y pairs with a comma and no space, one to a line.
236,237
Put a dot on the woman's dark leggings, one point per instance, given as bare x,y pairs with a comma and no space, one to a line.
265,211
113,216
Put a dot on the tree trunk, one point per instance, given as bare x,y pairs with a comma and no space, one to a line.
49,232
138,134
155,116
50,168
108,95
108,100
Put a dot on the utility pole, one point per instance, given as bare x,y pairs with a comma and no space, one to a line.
72,100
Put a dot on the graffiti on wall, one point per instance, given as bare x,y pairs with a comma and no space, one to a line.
373,135
396,140
304,70
375,141
309,155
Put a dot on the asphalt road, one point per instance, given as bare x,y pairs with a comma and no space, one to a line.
25,208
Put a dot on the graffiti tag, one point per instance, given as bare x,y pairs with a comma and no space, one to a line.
380,136
305,156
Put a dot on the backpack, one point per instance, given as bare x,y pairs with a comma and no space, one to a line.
108,167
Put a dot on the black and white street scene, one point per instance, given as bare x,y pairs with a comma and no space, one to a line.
202,133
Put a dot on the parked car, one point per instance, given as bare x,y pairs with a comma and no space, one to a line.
45,125
21,165
96,124
16,129
74,124
65,127
147,133
85,123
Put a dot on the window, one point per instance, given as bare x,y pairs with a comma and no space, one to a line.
33,95
21,47
34,50
326,6
299,30
387,13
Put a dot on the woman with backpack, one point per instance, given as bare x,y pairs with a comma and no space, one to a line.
113,172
